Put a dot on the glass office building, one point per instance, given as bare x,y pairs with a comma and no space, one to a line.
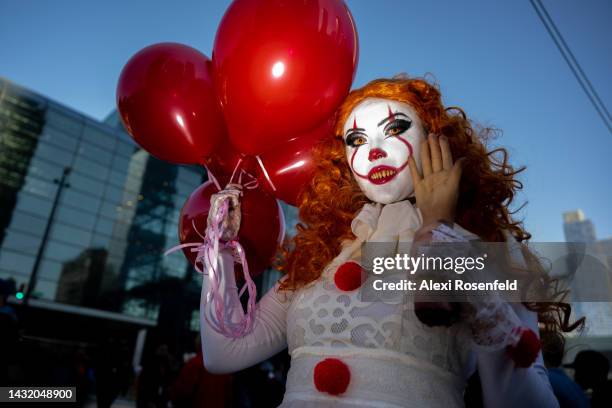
85,219
116,213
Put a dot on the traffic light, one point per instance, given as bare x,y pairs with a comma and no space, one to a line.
20,293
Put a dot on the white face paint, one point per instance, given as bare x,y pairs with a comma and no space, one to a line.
380,135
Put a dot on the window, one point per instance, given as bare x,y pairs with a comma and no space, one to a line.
24,222
34,204
69,234
22,242
125,147
15,261
54,154
62,252
72,216
50,270
111,210
79,200
190,175
58,138
120,163
45,170
39,187
95,153
90,168
100,241
113,195
104,226
101,136
86,184
64,121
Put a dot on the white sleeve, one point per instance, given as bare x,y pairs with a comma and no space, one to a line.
505,385
268,337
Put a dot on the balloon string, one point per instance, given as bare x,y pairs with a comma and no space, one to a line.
207,258
235,169
252,182
265,173
212,177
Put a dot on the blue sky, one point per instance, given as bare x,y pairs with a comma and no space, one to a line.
494,59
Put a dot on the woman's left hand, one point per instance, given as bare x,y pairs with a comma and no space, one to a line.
437,189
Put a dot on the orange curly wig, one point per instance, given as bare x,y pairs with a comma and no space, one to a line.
332,199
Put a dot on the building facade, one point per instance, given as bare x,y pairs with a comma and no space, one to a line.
116,212
85,219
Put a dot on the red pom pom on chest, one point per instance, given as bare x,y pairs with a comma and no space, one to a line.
525,352
349,276
332,376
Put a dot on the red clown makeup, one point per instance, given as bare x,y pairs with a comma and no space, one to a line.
380,136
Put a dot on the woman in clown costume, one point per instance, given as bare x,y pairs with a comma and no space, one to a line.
400,168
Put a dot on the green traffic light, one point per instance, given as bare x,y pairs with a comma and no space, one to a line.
19,295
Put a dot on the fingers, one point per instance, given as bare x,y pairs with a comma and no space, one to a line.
425,158
457,170
436,155
414,171
447,156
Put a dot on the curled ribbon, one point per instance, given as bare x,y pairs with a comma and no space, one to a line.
207,263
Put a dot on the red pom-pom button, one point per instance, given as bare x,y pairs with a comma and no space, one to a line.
349,276
332,376
525,352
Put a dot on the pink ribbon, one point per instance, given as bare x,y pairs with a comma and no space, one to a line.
207,260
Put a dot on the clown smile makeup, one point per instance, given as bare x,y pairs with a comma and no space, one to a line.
382,174
380,136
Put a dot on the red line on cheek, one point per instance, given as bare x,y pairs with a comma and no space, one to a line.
353,167
407,143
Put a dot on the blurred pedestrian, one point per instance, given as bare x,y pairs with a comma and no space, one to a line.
591,373
154,379
107,373
568,393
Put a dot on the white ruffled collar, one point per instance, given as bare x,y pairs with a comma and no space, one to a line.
398,222
395,222
378,222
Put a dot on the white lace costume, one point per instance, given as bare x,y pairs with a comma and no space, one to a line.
394,359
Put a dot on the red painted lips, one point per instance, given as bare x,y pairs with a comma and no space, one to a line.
382,174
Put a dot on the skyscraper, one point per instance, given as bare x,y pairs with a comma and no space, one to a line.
579,229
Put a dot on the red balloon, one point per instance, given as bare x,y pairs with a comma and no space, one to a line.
282,67
167,102
223,161
290,166
261,227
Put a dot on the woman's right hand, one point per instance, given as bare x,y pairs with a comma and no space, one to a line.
230,224
437,189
